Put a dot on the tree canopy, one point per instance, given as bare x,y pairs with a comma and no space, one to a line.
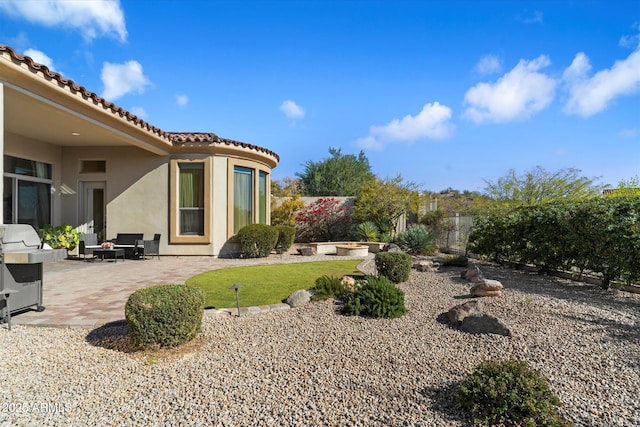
383,202
540,185
338,175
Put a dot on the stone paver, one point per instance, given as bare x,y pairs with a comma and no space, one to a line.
87,295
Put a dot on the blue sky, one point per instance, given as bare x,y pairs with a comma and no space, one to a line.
445,93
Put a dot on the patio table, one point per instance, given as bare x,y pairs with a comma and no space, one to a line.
113,254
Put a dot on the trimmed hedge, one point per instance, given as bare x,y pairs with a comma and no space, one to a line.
601,235
286,237
164,315
395,266
257,240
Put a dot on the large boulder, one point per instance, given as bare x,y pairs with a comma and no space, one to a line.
482,323
299,298
458,313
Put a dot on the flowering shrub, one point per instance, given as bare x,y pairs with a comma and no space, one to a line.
61,237
323,220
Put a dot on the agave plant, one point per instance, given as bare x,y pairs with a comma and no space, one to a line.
417,240
366,232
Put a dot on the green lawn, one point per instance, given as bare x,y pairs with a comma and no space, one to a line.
266,284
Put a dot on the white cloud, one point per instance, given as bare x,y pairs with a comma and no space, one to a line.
182,100
40,57
433,122
91,18
488,64
591,95
292,110
121,79
140,112
518,94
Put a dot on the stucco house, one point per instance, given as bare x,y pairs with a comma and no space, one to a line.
73,157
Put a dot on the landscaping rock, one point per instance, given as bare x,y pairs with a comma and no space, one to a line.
478,291
349,282
458,313
482,323
307,251
391,247
299,298
490,285
426,266
473,274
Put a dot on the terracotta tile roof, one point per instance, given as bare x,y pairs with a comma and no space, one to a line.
208,138
177,138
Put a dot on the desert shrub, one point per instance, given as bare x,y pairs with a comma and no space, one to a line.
326,219
509,393
395,266
286,237
164,315
365,232
329,287
376,297
257,240
455,261
285,214
417,240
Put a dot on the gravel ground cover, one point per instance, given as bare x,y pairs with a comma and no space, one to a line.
312,366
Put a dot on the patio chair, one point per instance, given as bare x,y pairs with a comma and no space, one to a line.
149,247
88,242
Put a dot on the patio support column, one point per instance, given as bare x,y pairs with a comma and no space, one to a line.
2,148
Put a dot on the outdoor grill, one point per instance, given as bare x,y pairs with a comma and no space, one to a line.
21,256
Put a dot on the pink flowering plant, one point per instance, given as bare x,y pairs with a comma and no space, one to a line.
325,220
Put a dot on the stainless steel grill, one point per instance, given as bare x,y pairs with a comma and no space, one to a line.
21,256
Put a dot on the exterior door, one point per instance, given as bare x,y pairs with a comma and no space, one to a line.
94,218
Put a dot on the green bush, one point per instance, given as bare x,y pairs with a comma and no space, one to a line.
286,237
455,261
601,235
395,266
164,315
61,237
257,240
376,297
329,287
365,232
509,393
417,240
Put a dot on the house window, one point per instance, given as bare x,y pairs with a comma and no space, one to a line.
242,197
27,192
262,198
191,194
249,187
190,211
93,166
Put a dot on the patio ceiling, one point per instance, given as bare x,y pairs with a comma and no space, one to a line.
36,117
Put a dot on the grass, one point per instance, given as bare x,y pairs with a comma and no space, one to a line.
266,284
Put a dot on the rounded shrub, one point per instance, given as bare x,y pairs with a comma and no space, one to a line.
376,297
329,287
509,393
286,237
395,266
164,315
257,240
417,240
